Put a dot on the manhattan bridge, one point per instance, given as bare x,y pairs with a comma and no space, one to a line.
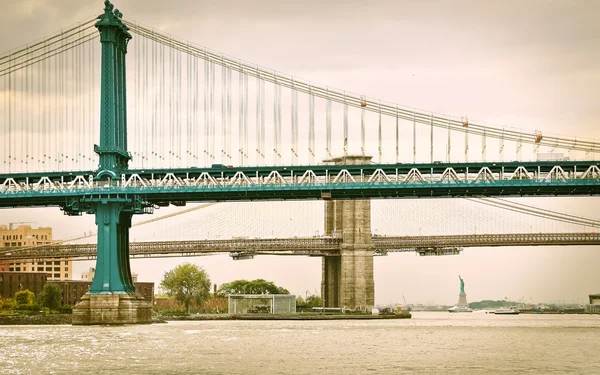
179,123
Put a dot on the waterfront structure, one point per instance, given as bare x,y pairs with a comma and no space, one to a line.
26,236
261,303
594,306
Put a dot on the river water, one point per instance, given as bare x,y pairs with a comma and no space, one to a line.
473,343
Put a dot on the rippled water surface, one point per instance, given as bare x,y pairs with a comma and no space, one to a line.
428,343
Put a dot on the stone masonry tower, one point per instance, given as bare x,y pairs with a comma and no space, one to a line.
347,280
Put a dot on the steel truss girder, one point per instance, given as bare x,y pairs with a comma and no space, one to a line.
319,246
287,182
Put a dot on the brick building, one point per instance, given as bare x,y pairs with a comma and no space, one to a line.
12,282
25,235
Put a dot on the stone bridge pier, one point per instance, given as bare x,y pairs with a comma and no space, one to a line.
347,280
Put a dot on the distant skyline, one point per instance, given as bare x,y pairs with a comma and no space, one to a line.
530,65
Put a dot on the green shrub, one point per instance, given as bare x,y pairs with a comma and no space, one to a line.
50,297
7,304
65,310
29,307
24,297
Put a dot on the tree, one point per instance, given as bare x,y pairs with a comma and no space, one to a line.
258,286
51,296
188,283
24,297
314,301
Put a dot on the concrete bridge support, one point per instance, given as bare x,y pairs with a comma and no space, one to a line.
347,280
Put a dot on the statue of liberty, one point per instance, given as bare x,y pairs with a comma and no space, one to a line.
462,284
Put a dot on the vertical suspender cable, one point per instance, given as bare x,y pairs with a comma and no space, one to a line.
380,134
195,117
467,143
229,102
262,120
275,104
448,156
145,100
25,113
10,116
311,126
483,145
159,141
258,106
398,136
519,145
212,111
279,156
179,136
362,126
172,110
241,118
223,110
161,134
328,124
502,145
206,62
431,138
414,138
345,125
138,93
246,118
294,147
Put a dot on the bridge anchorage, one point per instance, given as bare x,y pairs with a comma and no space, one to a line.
112,298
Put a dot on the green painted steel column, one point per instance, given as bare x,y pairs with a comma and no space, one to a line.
113,213
114,36
112,265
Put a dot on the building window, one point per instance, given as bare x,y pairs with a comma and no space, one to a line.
48,268
57,263
10,269
40,269
18,269
66,268
57,275
66,276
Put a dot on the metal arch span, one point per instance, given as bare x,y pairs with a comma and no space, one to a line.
322,246
157,186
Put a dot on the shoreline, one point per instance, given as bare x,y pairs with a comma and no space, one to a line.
283,317
65,319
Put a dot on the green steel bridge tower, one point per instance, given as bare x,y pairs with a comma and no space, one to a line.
112,284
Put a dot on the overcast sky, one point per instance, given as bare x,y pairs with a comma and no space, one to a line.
531,65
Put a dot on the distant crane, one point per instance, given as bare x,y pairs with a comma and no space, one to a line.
522,303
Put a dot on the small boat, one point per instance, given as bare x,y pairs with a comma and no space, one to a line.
459,309
513,310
